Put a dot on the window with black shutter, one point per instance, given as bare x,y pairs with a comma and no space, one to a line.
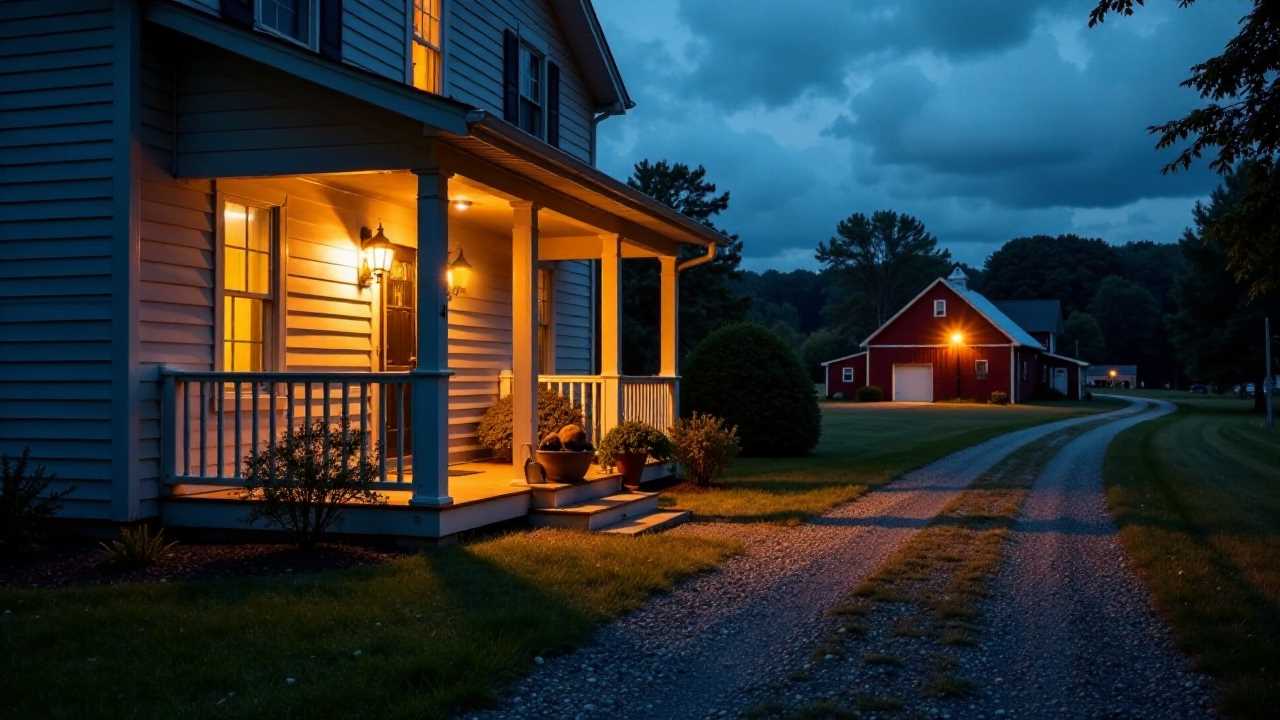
531,89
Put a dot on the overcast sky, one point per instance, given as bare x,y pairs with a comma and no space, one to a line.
986,119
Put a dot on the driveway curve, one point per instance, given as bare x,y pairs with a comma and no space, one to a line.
707,648
1073,632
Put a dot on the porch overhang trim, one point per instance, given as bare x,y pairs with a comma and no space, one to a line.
513,149
432,110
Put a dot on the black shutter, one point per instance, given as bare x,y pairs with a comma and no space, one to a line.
237,12
331,29
553,104
510,77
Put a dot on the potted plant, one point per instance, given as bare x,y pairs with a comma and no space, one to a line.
629,445
565,456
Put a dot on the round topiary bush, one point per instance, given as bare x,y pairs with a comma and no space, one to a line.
554,412
744,374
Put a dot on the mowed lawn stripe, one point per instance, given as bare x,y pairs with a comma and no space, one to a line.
863,446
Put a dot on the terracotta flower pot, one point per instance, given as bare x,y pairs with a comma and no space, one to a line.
565,466
631,465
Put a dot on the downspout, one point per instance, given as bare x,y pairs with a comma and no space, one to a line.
613,111
696,261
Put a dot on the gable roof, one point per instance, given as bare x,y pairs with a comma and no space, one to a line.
984,307
586,38
1034,315
846,357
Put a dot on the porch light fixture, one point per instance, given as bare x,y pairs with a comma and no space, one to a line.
461,205
458,273
378,254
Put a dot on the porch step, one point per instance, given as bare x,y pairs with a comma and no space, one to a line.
597,513
656,521
559,495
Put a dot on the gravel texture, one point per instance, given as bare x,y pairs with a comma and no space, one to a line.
711,647
1072,631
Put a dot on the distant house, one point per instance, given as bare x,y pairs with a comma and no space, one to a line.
1112,375
951,342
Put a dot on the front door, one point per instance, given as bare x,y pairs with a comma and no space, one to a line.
400,346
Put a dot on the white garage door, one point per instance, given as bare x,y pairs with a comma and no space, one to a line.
913,383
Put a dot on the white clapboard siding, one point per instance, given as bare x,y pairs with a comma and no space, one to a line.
575,318
373,36
55,244
473,59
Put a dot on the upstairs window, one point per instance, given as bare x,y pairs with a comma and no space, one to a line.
531,90
981,368
248,294
939,308
291,19
427,53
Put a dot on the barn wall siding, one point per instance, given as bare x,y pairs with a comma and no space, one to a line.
58,221
834,374
917,325
473,61
943,360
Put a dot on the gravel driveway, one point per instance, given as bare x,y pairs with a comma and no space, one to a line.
1073,632
705,649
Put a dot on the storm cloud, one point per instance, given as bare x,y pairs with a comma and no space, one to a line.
988,119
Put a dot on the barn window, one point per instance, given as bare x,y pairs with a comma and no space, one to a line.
939,308
846,374
248,293
981,368
426,45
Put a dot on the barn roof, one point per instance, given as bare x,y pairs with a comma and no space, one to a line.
977,301
1034,315
846,357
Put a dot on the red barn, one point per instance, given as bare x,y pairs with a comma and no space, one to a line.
951,342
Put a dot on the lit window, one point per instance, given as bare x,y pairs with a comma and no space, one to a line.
530,90
247,290
939,308
426,45
981,368
545,345
847,374
290,18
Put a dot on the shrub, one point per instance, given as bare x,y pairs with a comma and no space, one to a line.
634,436
25,502
999,397
554,412
870,393
746,375
1048,393
136,547
302,482
704,446
837,396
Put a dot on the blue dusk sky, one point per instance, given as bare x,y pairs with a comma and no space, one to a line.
986,119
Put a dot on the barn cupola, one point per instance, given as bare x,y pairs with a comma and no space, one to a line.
958,278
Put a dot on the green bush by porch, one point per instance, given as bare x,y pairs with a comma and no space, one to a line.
417,638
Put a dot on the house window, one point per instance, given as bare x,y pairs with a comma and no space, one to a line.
846,374
531,90
939,308
981,368
292,19
248,295
546,346
426,45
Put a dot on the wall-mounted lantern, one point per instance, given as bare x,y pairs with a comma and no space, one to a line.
458,274
461,205
378,255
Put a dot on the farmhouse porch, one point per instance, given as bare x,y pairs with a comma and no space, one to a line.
277,235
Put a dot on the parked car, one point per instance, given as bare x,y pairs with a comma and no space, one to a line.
1200,389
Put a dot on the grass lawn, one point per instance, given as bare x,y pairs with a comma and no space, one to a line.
862,446
420,637
1197,496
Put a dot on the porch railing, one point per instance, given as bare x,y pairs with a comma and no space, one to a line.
212,421
607,400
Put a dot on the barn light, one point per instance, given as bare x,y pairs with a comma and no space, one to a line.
1111,372
957,338
379,254
458,273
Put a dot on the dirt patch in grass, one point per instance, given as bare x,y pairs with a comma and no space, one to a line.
418,636
903,633
1197,497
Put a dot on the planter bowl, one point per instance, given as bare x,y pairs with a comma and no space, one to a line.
565,466
631,465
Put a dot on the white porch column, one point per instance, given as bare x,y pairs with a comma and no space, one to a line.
430,378
669,326
610,331
524,328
